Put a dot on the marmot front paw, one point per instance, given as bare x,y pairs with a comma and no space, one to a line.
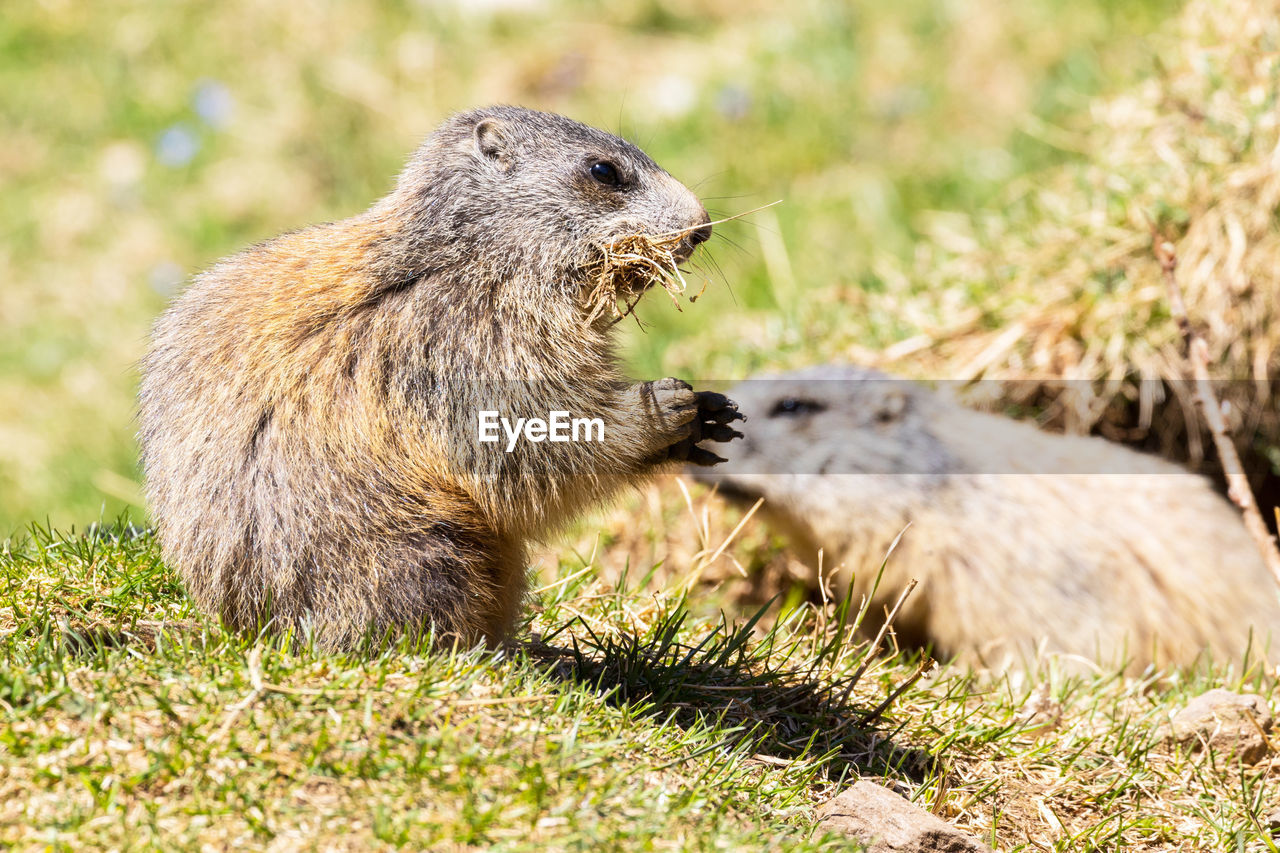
709,421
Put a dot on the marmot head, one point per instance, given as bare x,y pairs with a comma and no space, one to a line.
533,196
817,434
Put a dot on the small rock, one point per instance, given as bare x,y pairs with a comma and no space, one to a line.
888,823
1231,723
1041,713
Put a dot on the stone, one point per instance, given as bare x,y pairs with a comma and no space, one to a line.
886,822
1234,724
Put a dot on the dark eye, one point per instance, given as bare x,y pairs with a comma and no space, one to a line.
606,173
795,406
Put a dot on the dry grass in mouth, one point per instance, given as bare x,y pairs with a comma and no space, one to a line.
628,265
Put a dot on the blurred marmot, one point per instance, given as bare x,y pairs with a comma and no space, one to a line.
1021,539
309,407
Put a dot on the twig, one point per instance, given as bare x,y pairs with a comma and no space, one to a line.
701,564
884,629
925,663
1207,401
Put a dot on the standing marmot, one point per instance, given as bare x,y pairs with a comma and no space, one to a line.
1019,537
309,408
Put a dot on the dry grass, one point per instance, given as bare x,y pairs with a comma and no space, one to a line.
1072,314
627,267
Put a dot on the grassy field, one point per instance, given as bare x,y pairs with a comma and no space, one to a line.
143,141
619,720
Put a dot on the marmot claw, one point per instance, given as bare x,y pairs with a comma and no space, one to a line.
715,412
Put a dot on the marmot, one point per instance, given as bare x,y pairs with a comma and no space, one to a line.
1020,539
309,408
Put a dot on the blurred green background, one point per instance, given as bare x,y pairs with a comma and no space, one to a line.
142,141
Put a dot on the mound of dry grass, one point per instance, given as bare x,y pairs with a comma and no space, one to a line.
1073,314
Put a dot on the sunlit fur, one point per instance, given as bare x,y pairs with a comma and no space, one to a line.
309,406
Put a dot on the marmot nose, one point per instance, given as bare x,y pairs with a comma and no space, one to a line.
703,233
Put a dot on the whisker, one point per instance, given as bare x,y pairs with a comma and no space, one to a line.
729,241
708,178
718,269
683,231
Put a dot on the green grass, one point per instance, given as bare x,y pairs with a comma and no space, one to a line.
130,721
618,719
864,118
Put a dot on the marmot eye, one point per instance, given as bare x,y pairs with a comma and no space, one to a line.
606,173
793,406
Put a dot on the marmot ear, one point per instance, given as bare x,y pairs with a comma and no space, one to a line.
492,142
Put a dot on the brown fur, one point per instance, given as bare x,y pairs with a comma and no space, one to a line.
309,407
1021,540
